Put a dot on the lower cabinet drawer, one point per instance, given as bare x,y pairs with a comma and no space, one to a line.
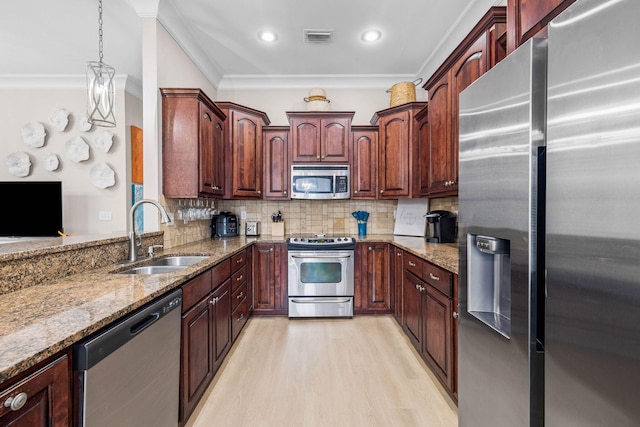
239,318
238,295
440,279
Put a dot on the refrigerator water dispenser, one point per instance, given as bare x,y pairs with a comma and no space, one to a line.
489,289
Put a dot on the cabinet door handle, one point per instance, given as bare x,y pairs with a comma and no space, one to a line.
241,295
399,254
412,264
16,403
355,191
370,248
214,300
284,192
317,157
241,317
381,191
323,157
433,277
238,261
239,278
455,314
259,191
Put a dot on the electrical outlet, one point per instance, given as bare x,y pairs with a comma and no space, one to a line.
243,214
104,215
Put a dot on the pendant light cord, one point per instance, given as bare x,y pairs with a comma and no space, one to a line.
100,29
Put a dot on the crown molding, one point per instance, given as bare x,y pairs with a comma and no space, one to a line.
306,81
65,81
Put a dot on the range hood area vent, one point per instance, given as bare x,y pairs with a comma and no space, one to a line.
318,36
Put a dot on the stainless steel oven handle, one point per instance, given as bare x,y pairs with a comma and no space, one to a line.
334,185
323,300
320,256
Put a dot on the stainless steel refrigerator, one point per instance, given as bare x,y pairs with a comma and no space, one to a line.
549,192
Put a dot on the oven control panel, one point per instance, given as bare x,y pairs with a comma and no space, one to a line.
321,242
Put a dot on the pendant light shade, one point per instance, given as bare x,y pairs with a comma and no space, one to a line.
101,93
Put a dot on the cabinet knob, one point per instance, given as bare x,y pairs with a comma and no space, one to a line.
381,191
455,315
323,157
370,248
317,157
241,317
399,254
355,191
433,277
16,403
259,191
239,278
285,191
240,296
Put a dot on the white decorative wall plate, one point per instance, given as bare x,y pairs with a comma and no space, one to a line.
102,176
103,141
59,119
33,134
77,150
84,124
19,164
51,162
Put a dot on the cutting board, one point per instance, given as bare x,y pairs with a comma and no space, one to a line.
410,220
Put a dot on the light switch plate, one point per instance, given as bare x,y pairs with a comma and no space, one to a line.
243,214
104,215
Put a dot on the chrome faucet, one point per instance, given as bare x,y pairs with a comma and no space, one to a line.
133,245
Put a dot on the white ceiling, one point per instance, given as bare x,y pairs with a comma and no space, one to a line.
45,37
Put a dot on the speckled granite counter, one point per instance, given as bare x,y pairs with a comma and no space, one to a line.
39,321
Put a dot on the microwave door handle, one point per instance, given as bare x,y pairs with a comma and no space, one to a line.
334,185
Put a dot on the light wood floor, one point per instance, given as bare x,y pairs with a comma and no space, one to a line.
339,372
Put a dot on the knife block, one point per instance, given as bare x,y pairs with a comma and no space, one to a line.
277,228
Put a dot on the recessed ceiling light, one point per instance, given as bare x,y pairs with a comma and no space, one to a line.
371,35
267,36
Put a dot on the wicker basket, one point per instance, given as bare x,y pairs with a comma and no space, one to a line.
403,92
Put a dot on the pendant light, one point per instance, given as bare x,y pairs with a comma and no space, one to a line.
101,86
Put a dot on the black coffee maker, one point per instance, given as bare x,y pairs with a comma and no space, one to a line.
442,227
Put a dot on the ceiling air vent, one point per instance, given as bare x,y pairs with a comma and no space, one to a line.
318,36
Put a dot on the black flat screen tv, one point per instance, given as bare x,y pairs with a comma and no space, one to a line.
31,208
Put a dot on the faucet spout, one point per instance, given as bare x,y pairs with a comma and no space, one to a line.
133,246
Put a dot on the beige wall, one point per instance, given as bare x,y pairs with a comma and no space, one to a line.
82,201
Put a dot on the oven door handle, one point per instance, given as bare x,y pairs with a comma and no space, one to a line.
321,256
320,300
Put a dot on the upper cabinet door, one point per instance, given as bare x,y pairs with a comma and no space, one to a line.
393,177
364,161
276,164
528,18
305,140
440,142
247,155
334,143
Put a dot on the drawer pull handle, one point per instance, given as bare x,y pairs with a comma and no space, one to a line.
16,403
412,264
434,277
238,261
240,296
239,278
241,317
214,300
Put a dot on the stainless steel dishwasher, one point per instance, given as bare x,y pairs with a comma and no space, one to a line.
128,373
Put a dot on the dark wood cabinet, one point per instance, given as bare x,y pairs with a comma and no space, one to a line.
372,292
479,51
243,145
529,18
277,173
397,273
40,399
398,161
192,145
206,332
270,278
320,136
364,162
429,297
240,280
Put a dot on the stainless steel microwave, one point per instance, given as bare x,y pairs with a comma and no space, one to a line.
320,182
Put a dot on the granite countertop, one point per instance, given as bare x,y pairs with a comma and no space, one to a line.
40,321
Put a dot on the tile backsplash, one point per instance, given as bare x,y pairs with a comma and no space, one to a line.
331,217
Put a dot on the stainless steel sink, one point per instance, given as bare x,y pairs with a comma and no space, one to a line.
179,260
153,269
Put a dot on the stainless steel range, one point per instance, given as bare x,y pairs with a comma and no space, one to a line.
321,276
